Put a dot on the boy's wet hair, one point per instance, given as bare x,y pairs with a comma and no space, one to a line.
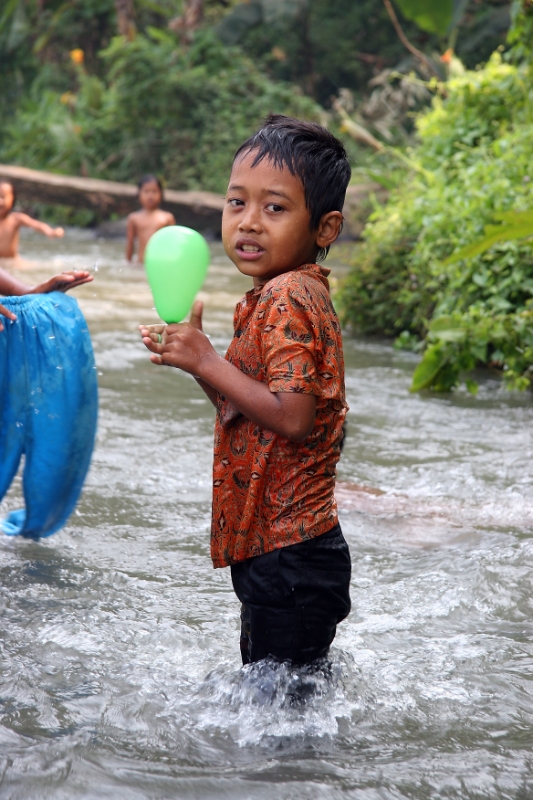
148,179
311,153
7,182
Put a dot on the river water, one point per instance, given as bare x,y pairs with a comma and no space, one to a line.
120,673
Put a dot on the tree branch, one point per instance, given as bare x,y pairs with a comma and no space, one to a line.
405,41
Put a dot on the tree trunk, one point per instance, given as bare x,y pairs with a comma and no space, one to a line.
125,11
190,20
199,210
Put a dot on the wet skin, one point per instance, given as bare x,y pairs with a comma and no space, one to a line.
266,232
12,221
144,223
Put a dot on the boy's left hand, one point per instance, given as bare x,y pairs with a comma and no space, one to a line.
182,345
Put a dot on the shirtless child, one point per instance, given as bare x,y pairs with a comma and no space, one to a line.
12,221
144,223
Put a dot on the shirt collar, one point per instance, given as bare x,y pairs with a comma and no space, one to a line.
316,270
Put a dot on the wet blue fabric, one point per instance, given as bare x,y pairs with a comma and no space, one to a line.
48,409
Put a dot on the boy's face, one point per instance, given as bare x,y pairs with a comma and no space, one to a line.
265,224
6,198
150,195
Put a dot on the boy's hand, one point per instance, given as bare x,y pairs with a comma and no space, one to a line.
156,333
182,345
63,282
57,233
9,314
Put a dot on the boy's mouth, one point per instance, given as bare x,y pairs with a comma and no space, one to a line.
248,250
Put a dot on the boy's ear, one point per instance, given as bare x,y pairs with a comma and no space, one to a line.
329,228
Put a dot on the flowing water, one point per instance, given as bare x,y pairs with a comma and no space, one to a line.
119,654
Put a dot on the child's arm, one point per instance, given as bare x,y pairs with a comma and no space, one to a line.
130,233
290,414
10,286
63,282
41,227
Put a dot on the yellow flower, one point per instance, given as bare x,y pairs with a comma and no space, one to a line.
77,55
278,54
76,128
68,98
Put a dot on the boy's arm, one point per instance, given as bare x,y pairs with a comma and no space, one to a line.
130,233
211,393
290,414
11,286
41,227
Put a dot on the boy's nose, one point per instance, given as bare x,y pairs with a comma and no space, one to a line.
250,221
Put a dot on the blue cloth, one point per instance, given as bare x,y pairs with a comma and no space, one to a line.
48,409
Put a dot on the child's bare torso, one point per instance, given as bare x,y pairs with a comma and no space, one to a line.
9,235
143,224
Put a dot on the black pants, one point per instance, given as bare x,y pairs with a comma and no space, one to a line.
293,598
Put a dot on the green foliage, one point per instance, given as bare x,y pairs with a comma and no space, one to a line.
521,32
324,45
428,15
165,108
478,146
36,38
514,225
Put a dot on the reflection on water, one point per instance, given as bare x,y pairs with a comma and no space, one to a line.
120,657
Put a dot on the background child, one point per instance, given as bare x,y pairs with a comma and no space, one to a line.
10,286
12,221
144,223
279,394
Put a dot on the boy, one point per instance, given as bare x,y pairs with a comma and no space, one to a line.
150,218
279,394
12,221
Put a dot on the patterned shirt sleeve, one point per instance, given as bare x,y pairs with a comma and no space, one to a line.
289,342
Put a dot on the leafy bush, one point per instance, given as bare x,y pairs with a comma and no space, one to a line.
476,150
164,108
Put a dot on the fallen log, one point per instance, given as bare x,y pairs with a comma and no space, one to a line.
199,210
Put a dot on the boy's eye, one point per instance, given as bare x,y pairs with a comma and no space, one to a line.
275,207
235,201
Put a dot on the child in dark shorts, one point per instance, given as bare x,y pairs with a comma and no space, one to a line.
279,394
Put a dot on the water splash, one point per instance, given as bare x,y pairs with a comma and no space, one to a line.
268,701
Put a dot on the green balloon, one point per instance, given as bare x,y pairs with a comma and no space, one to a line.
176,261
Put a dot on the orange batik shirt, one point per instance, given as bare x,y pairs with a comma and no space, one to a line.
270,492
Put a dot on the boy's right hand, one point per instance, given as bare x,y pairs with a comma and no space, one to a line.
6,313
182,345
153,332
